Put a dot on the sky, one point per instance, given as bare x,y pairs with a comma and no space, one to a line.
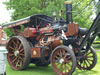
4,13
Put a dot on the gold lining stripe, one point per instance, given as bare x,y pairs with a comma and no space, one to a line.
16,24
68,2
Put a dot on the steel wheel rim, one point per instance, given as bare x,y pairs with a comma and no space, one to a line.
61,68
87,62
16,54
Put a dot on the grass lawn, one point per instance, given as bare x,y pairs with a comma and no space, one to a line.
34,70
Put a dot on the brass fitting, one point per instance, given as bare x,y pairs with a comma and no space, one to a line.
60,13
61,41
68,2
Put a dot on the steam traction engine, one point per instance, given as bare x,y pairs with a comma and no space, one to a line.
59,42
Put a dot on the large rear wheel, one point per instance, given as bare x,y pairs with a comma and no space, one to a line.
18,53
63,60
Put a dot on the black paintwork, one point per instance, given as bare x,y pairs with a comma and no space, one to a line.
91,35
68,13
33,20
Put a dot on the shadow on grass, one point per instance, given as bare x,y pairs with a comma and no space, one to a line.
32,70
40,69
35,70
85,72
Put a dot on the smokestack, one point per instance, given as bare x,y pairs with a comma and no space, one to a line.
68,5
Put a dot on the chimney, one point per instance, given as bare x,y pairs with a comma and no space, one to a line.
68,5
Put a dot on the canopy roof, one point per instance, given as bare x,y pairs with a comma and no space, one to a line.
29,21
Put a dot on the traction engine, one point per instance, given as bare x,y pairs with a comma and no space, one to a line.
46,40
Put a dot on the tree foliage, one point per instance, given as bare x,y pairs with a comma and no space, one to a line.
22,8
98,7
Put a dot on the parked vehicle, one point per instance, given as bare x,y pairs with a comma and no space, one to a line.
46,40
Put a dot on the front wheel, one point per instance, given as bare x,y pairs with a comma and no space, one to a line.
88,61
63,60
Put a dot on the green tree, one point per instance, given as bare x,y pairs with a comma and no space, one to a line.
98,6
24,8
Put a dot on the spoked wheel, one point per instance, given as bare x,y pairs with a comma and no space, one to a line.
63,60
88,61
18,53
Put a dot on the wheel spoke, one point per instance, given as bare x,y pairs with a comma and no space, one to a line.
14,42
21,50
18,42
56,57
82,63
20,58
17,63
22,54
65,68
20,46
21,63
63,52
67,61
59,54
65,56
12,48
61,67
14,59
88,53
85,63
88,61
89,56
11,54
